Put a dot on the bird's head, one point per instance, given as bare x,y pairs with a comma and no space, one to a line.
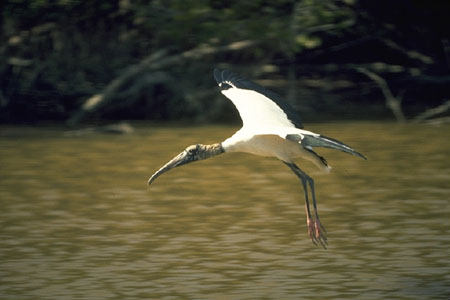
190,154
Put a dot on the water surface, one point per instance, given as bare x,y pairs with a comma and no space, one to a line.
78,221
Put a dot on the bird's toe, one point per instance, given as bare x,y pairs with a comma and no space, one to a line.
317,232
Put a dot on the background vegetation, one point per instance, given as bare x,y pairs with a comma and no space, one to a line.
73,60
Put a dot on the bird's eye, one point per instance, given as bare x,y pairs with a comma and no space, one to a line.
192,151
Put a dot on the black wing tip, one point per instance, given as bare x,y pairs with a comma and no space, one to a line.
217,75
327,142
360,155
222,75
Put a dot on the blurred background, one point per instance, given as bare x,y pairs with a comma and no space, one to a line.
97,95
72,61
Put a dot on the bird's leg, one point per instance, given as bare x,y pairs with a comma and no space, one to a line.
316,230
318,225
309,222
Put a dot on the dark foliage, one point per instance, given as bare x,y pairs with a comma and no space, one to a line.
154,59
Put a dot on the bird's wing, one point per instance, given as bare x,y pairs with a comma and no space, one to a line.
307,139
257,106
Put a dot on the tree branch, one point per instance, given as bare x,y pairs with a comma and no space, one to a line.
392,102
410,53
152,63
429,113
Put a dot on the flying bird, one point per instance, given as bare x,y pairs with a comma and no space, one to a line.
270,128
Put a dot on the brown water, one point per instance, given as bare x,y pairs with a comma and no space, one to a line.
77,220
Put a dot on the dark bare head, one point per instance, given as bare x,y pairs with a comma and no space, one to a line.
190,154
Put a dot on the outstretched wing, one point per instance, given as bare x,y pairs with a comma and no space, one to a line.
257,106
309,139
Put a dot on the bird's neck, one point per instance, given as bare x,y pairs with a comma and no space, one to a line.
211,150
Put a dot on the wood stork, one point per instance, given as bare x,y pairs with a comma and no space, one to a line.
270,128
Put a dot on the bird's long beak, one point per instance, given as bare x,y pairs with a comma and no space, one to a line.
179,160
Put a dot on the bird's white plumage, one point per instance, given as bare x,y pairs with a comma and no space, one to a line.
270,126
257,110
272,142
265,127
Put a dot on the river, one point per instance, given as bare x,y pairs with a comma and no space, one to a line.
77,220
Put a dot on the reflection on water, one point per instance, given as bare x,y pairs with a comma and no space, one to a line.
78,221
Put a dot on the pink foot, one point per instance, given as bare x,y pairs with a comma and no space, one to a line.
317,232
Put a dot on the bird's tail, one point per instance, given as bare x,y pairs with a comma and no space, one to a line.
323,141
